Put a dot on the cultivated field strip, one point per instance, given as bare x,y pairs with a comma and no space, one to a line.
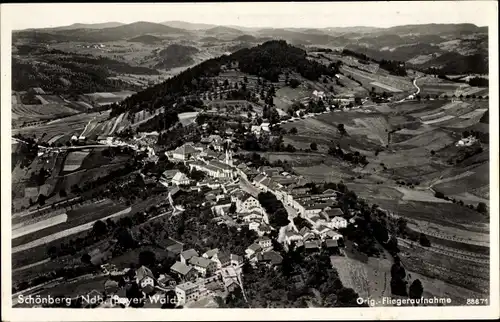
464,255
21,230
67,232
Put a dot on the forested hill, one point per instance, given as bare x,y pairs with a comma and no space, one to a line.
267,60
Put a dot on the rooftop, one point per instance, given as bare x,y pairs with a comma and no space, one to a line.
200,261
181,268
187,254
187,286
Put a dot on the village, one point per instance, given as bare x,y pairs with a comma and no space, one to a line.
233,197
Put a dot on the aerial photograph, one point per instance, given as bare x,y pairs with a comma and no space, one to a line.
204,162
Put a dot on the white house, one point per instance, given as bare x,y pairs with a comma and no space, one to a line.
254,225
291,237
265,127
255,129
337,222
203,265
145,279
252,250
247,203
180,179
187,292
265,243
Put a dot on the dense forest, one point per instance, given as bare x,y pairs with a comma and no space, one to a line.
271,58
175,55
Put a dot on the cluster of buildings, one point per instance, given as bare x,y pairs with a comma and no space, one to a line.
468,141
192,277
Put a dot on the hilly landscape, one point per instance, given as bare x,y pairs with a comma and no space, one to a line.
382,129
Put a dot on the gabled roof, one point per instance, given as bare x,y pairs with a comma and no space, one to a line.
237,258
143,272
311,244
331,243
271,256
210,253
334,212
332,234
255,248
259,177
181,268
200,261
179,176
186,149
291,233
223,257
169,174
304,231
338,218
187,254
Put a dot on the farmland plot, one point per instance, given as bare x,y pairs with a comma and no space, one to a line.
74,160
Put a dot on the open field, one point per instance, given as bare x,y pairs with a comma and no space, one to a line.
69,126
74,160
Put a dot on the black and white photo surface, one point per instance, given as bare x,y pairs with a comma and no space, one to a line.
250,155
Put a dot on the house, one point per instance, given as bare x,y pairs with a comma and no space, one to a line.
323,231
184,153
252,250
166,280
222,259
145,279
264,229
231,285
331,245
254,225
183,271
311,246
338,222
292,237
264,243
246,203
255,129
332,235
332,213
203,265
306,233
180,179
265,127
236,260
216,142
187,292
254,216
209,254
270,258
173,247
187,254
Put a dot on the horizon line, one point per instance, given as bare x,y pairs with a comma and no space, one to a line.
247,27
